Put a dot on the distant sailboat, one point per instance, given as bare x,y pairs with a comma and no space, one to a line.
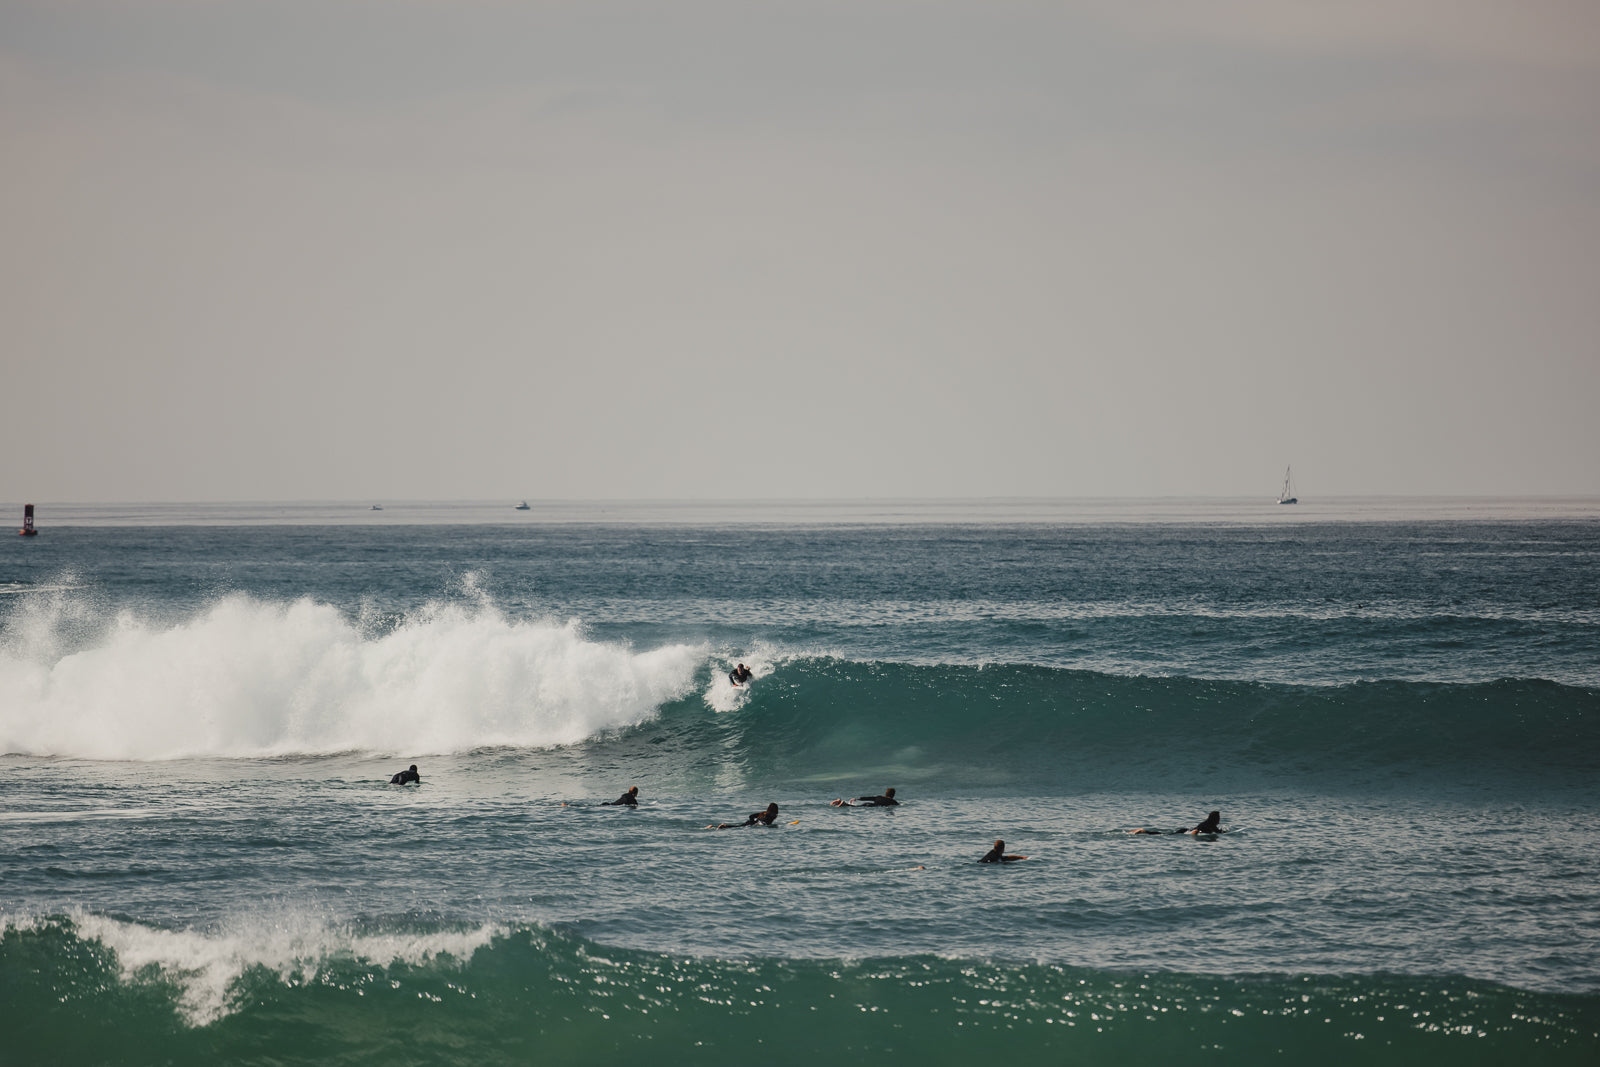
1287,496
521,507
27,522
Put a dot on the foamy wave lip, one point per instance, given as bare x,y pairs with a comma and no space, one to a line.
204,967
247,678
762,659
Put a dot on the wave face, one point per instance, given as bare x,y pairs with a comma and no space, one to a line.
1083,730
248,678
88,990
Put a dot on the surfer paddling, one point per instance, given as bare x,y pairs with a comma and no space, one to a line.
757,818
998,854
884,800
739,675
1212,824
630,799
407,776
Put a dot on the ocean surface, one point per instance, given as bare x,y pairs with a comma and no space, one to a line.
1395,705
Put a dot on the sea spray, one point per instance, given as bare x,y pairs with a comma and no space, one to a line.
248,678
203,969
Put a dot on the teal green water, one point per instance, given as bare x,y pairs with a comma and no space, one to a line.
201,858
529,994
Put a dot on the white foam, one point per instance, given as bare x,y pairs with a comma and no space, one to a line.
722,695
248,678
203,967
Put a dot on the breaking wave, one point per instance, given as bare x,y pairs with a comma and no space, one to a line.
250,678
91,988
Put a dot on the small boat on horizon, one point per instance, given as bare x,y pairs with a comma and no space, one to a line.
27,522
376,507
1287,496
521,507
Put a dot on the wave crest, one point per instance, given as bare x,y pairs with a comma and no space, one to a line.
308,992
249,678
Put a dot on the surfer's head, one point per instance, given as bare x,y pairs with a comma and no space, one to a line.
999,845
889,792
413,766
772,809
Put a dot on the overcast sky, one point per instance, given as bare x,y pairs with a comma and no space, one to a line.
699,249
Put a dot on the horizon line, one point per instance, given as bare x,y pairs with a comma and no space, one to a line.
785,500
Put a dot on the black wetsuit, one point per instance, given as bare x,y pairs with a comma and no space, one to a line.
406,777
740,674
994,855
877,802
1212,825
757,818
629,799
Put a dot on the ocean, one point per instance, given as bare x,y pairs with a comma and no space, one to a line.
1395,706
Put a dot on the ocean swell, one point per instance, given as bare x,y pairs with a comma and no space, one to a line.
1082,730
250,678
92,989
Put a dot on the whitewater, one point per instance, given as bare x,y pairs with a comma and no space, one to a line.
247,678
1396,714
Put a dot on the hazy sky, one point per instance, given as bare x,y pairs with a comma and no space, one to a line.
644,248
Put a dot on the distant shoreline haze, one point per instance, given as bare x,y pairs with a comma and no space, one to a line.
1091,510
